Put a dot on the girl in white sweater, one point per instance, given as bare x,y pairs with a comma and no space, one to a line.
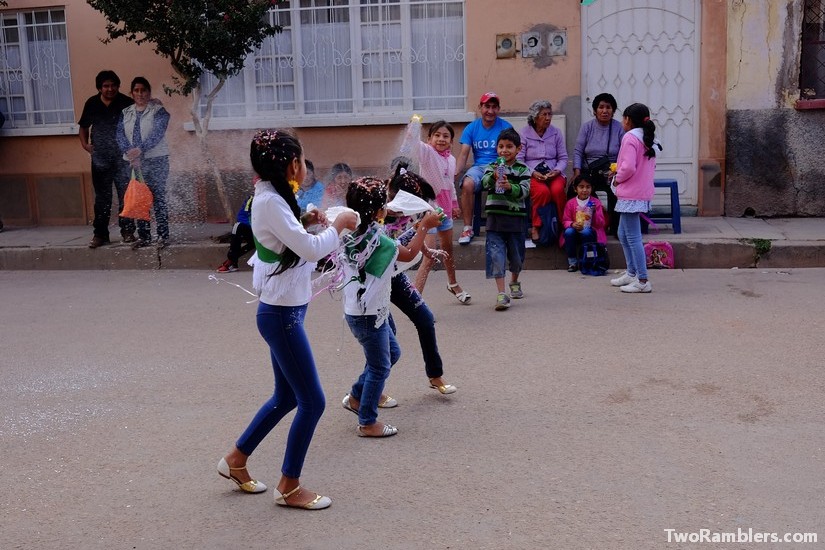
283,262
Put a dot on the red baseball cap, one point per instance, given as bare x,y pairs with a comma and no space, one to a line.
488,96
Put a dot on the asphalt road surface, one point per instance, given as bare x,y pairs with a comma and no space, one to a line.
584,418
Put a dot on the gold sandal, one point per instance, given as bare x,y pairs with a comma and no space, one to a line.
318,503
443,388
251,486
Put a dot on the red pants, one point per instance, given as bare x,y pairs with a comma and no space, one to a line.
542,192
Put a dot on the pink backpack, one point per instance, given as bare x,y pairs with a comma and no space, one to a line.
659,255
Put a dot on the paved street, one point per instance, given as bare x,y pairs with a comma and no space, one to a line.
585,418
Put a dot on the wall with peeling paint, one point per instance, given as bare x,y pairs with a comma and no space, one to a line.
763,53
773,152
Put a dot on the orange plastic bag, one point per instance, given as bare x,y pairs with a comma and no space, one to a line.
137,201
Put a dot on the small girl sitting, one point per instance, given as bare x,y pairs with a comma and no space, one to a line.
369,264
583,221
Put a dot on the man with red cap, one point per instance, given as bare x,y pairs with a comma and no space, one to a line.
480,136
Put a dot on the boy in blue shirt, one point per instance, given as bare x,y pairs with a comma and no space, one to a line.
480,136
506,216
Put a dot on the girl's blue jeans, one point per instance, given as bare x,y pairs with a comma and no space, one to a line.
296,385
573,239
382,352
407,298
630,237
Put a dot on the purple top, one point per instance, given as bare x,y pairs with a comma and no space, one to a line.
548,148
591,143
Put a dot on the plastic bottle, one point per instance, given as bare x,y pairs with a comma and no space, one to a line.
442,217
500,171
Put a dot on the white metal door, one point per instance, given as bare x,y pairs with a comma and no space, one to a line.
647,51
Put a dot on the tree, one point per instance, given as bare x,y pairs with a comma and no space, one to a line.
198,37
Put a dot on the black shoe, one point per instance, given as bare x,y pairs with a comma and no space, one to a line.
127,237
572,268
98,242
141,243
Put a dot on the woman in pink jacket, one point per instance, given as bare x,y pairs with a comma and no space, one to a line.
635,167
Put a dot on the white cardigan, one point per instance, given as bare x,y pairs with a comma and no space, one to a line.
275,227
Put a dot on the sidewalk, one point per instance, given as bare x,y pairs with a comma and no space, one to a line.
718,242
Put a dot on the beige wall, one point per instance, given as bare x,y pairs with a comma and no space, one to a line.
764,48
519,81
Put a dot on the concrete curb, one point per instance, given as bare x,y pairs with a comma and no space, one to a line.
703,254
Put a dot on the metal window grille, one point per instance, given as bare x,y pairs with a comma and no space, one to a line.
353,57
812,60
35,78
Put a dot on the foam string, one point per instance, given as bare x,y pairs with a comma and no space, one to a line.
219,280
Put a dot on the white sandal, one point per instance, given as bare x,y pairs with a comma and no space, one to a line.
463,296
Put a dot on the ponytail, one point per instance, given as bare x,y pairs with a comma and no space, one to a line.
639,116
271,152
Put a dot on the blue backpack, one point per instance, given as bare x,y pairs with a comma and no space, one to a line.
549,231
594,260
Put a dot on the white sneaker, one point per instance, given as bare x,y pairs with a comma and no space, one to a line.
528,243
637,286
624,279
466,235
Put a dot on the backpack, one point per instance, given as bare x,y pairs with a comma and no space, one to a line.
549,231
659,255
594,260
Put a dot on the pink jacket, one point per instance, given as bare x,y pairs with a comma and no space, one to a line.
634,171
597,223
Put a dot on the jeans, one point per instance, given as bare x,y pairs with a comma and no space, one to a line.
500,248
240,243
630,237
382,352
105,172
296,384
155,173
407,298
573,239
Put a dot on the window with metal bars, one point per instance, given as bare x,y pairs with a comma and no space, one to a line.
812,59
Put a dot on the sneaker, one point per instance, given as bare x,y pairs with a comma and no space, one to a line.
624,279
637,286
528,243
515,291
502,301
127,237
227,267
572,268
466,235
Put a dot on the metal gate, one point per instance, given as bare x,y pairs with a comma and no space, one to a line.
647,51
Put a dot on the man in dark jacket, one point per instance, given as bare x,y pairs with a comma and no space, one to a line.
98,126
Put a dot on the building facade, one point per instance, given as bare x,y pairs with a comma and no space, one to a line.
348,74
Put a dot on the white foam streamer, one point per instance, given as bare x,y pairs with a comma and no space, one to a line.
219,280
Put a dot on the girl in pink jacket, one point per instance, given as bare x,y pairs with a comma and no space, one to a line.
635,167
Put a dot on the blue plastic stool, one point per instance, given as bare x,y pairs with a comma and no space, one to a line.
675,218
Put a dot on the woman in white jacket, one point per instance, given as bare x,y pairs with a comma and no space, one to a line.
141,136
